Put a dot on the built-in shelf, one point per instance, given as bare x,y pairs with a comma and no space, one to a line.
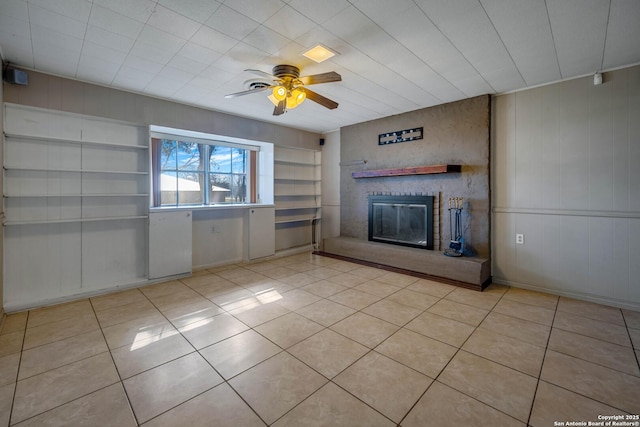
415,170
294,163
75,200
73,141
297,192
35,196
290,219
66,220
11,168
309,180
295,207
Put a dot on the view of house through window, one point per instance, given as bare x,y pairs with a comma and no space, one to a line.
197,173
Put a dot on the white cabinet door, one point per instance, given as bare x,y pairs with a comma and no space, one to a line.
262,233
170,238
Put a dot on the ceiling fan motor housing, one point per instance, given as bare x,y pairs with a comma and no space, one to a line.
286,71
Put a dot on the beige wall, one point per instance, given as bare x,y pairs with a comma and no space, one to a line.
454,133
565,174
57,93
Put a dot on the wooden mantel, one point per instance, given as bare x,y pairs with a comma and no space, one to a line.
415,170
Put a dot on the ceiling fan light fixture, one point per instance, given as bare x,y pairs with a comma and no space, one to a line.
319,53
273,100
298,95
295,98
279,93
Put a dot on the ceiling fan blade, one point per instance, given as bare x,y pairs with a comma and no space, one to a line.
280,108
316,97
261,73
315,79
247,92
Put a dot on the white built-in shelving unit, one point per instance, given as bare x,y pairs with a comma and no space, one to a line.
76,201
297,183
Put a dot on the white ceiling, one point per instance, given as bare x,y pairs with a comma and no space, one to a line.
394,55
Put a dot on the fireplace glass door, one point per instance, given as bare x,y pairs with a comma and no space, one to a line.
401,220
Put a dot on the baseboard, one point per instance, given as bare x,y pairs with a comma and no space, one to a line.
575,295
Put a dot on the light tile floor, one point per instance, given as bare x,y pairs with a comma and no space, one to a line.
313,341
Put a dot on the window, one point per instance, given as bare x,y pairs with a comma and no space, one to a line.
191,171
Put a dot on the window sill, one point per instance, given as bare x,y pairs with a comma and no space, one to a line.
210,207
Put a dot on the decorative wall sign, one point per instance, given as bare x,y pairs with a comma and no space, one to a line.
400,136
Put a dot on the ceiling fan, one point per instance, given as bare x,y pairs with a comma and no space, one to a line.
288,88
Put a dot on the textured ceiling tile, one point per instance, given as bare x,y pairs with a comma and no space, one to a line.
133,78
622,46
290,23
173,23
19,50
75,9
524,28
198,53
266,40
141,64
466,25
394,56
56,22
580,46
240,57
231,23
214,40
114,22
15,9
108,39
91,67
12,26
95,50
198,10
319,11
248,8
140,10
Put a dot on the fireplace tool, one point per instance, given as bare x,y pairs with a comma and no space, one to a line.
456,244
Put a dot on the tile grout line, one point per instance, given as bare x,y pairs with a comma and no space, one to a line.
67,364
15,388
544,358
459,349
135,417
633,348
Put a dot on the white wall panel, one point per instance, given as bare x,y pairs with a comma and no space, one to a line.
41,262
170,243
218,237
564,175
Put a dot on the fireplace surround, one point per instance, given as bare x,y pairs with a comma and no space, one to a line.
401,220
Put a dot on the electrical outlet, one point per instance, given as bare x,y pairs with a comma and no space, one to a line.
520,239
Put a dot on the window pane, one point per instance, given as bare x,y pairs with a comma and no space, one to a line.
239,188
168,154
188,156
220,159
168,188
238,160
189,189
220,186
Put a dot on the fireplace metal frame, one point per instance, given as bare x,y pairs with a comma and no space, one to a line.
404,200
